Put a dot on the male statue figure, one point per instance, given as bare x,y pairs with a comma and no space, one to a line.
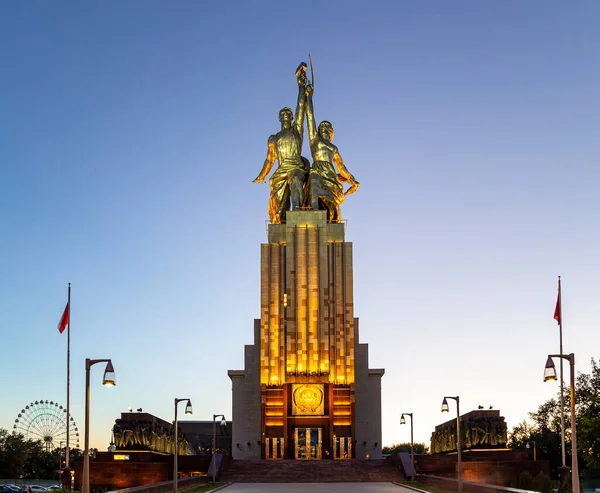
325,189
285,147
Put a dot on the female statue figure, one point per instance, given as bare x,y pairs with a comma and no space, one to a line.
325,189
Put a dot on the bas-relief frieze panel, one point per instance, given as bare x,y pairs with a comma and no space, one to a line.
479,432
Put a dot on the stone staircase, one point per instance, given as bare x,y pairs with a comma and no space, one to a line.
311,471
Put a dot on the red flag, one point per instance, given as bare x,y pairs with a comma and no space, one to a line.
64,320
557,314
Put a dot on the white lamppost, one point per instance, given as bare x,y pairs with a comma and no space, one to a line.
214,443
550,374
445,409
109,381
412,447
188,410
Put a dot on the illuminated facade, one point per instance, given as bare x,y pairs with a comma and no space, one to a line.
306,391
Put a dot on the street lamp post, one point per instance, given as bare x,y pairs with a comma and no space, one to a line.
109,381
534,448
445,409
188,410
412,447
214,443
550,374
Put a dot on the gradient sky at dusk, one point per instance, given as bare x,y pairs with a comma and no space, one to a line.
130,133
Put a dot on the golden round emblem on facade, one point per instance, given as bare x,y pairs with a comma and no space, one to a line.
308,398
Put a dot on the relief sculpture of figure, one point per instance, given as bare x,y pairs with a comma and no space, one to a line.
467,442
502,433
285,147
325,189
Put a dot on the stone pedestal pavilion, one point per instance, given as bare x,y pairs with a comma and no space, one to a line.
306,391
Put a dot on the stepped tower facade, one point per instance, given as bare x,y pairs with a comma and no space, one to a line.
306,391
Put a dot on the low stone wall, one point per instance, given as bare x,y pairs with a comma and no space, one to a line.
141,469
442,464
498,467
122,474
502,473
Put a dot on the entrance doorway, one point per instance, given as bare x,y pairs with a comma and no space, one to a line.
308,443
274,448
342,447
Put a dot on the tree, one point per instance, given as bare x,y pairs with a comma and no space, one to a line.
419,448
39,464
13,454
75,455
587,397
544,430
28,459
520,435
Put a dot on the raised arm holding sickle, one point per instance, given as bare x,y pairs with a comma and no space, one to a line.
325,189
285,147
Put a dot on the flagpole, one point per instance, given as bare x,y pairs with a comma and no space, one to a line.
69,375
562,384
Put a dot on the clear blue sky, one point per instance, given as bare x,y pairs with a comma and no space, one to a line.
130,133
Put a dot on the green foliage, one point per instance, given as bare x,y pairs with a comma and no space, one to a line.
543,483
588,416
567,485
419,448
507,483
13,454
544,430
204,487
27,459
525,480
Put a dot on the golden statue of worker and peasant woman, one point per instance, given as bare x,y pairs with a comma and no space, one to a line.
296,184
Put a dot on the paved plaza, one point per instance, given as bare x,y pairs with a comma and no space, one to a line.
315,488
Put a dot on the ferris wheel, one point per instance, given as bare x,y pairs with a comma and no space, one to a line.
47,421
